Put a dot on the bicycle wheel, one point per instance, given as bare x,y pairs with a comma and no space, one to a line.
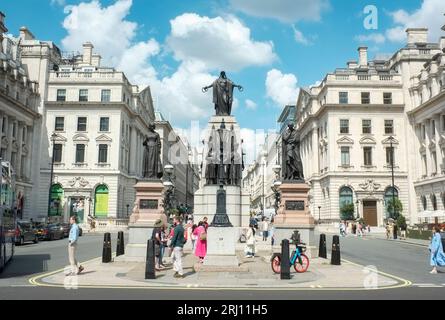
302,264
275,263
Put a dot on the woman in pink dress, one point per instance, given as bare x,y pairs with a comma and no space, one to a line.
201,241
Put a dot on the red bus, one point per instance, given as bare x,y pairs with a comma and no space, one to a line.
8,214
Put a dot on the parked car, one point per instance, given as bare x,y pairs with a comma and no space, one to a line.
53,232
25,233
38,228
66,229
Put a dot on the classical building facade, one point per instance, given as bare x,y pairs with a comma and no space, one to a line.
427,120
354,125
96,121
19,118
178,152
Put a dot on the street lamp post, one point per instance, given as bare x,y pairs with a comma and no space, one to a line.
319,214
53,140
391,140
357,203
90,201
128,207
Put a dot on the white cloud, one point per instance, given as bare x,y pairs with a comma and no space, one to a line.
202,45
377,38
281,88
92,22
287,11
429,15
251,105
300,37
217,43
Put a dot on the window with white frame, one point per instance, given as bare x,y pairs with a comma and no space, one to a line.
367,156
61,94
345,157
387,98
106,95
103,153
366,126
80,153
389,126
344,126
433,128
366,98
83,95
343,98
390,156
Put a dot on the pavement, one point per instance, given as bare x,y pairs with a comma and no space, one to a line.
321,274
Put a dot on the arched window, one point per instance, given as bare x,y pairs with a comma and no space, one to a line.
434,201
346,204
101,201
55,207
424,202
388,199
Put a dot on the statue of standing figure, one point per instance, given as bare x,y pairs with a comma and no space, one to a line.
152,164
223,94
293,167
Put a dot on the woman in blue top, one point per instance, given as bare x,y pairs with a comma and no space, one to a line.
436,249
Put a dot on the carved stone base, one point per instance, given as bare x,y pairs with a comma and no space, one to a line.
294,215
147,209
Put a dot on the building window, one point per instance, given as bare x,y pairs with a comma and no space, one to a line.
423,132
424,202
343,97
82,124
61,95
103,153
433,128
80,153
60,124
389,126
14,129
366,98
434,158
367,155
4,120
345,157
106,95
344,126
83,95
390,156
346,199
58,152
389,194
104,124
387,98
434,201
366,127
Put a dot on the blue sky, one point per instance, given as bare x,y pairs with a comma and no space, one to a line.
270,47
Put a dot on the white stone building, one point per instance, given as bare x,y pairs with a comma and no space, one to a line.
96,122
19,118
427,124
346,123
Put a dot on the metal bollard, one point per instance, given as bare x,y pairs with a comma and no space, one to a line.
106,252
285,261
150,272
120,250
322,247
335,256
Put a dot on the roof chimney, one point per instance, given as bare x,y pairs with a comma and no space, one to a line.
417,35
87,53
363,56
352,64
25,34
95,60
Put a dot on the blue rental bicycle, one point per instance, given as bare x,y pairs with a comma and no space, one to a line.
297,259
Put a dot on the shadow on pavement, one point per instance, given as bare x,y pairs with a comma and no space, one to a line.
27,264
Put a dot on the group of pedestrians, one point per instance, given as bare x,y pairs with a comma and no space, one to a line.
354,228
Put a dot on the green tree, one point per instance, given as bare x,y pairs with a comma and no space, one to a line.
347,211
401,221
394,208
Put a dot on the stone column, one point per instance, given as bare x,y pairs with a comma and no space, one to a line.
29,133
133,150
19,134
10,138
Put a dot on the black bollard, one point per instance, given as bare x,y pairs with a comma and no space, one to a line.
120,250
150,272
285,261
322,247
335,256
106,252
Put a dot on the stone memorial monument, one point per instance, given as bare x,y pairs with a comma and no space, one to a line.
293,213
149,194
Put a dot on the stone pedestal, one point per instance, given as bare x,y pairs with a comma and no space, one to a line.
147,209
221,251
294,215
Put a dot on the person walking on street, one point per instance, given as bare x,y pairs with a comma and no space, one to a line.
403,228
73,238
265,229
206,224
177,245
343,229
201,242
437,258
250,242
156,236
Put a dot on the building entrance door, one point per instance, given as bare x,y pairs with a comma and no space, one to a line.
370,212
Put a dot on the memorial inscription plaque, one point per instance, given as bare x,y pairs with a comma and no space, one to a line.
295,205
147,204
